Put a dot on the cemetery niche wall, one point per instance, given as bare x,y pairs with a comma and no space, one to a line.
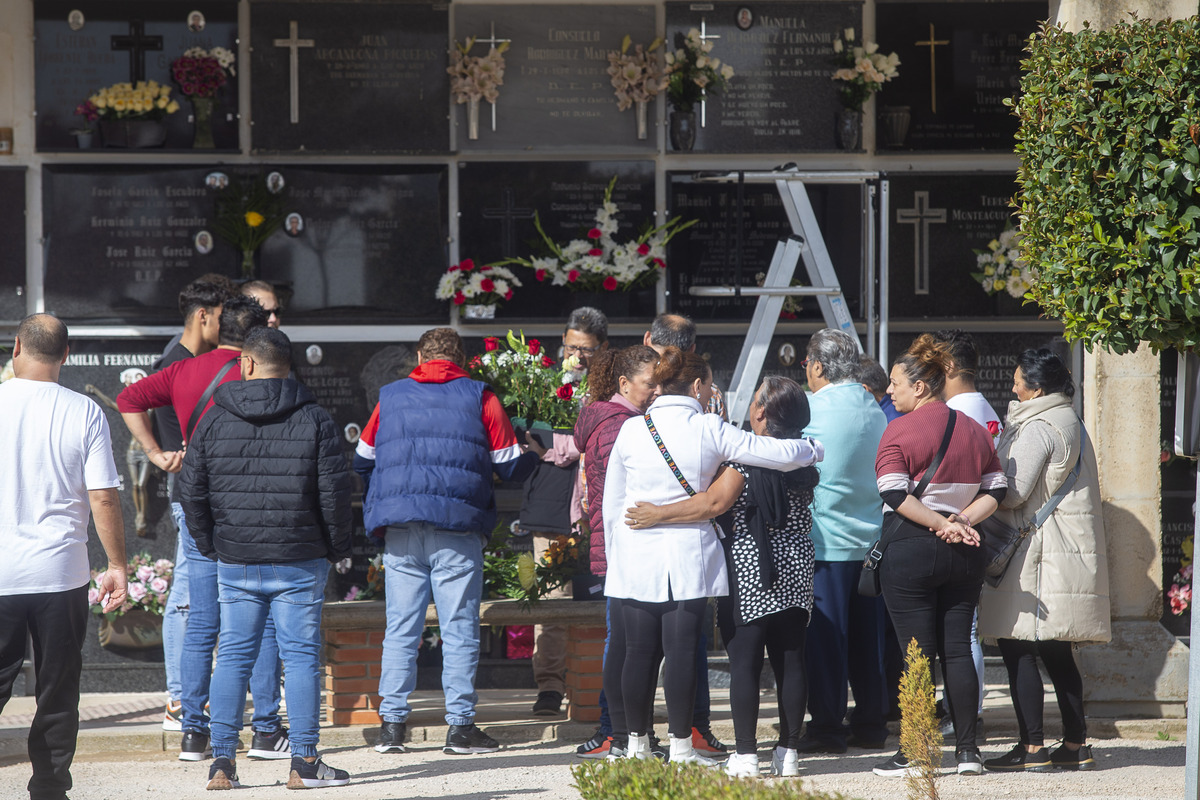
12,233
83,46
358,243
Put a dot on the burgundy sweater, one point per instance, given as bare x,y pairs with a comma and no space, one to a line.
596,430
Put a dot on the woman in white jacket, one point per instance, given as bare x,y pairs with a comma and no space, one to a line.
664,575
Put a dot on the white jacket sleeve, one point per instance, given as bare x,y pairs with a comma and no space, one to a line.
614,490
746,448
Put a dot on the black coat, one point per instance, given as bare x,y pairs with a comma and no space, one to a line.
264,479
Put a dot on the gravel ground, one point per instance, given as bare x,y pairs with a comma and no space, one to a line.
1129,769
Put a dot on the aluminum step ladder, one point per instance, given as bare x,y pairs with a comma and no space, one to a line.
805,243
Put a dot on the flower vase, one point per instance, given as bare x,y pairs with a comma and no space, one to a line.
683,130
473,118
479,311
136,629
640,110
895,121
849,128
202,134
133,133
84,140
248,265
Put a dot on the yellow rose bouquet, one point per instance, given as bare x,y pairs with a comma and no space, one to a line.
145,100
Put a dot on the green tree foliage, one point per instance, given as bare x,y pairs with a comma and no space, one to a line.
1109,177
630,779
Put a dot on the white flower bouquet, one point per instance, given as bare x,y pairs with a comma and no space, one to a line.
635,76
691,72
862,70
476,77
1001,268
601,263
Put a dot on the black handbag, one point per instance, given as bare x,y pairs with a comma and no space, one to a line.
868,579
1000,541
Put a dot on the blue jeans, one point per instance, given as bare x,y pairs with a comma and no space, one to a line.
420,560
845,644
293,594
176,615
203,623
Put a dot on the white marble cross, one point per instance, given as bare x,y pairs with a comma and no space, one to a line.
704,36
920,216
492,42
294,44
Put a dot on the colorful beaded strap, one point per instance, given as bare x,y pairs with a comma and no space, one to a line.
662,448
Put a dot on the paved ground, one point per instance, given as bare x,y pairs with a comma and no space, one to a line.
123,753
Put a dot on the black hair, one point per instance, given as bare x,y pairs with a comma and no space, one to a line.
963,350
590,321
271,348
787,415
201,293
239,316
1043,369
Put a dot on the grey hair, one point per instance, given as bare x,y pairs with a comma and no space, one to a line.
590,321
673,330
872,375
838,353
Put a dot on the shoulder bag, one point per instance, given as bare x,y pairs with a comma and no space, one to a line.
1000,541
202,403
868,579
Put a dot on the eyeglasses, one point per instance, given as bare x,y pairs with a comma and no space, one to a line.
273,312
572,349
247,358
804,364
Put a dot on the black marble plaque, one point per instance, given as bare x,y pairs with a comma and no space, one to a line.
958,62
497,202
122,241
781,97
12,233
370,247
71,65
370,77
557,94
936,223
707,253
1178,497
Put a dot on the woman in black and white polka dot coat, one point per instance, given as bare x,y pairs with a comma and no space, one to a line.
769,557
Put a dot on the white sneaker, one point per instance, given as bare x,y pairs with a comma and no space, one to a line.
742,765
785,762
639,747
682,752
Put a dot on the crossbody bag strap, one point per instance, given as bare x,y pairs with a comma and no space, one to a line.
202,403
662,448
1048,507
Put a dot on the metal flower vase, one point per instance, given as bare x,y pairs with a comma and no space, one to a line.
479,311
202,132
640,110
849,128
473,118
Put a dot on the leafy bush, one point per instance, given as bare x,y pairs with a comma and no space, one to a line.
630,779
1110,169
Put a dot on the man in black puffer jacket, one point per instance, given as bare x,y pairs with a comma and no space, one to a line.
266,491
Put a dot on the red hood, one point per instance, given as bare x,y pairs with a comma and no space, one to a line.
438,371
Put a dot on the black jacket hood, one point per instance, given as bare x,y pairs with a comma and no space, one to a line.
263,400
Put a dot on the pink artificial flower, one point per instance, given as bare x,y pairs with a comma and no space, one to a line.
145,573
352,594
137,591
93,596
159,585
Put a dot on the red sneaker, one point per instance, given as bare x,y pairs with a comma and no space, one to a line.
704,742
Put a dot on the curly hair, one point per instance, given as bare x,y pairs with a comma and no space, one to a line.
927,360
609,366
442,344
677,371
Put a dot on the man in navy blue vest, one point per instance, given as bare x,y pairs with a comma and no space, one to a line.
427,456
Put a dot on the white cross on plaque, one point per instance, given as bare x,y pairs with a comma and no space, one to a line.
704,36
294,44
492,42
920,216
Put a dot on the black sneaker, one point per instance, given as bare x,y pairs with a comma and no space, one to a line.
270,746
391,737
809,744
865,744
194,747
1080,759
549,704
315,775
596,747
222,775
896,767
465,740
1020,760
969,762
657,750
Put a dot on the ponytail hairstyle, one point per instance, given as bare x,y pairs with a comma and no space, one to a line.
677,371
607,367
927,360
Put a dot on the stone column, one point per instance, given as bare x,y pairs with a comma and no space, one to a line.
1144,670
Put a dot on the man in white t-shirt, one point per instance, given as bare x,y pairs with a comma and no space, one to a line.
961,395
58,471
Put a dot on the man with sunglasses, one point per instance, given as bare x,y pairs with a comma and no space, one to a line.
264,293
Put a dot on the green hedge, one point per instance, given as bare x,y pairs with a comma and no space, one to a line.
1110,166
630,779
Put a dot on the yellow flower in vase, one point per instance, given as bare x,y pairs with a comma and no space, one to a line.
254,219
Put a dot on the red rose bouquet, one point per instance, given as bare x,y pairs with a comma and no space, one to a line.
530,385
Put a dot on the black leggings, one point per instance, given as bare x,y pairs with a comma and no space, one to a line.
783,636
1025,684
672,630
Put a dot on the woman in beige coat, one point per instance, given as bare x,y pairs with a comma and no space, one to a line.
1055,592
